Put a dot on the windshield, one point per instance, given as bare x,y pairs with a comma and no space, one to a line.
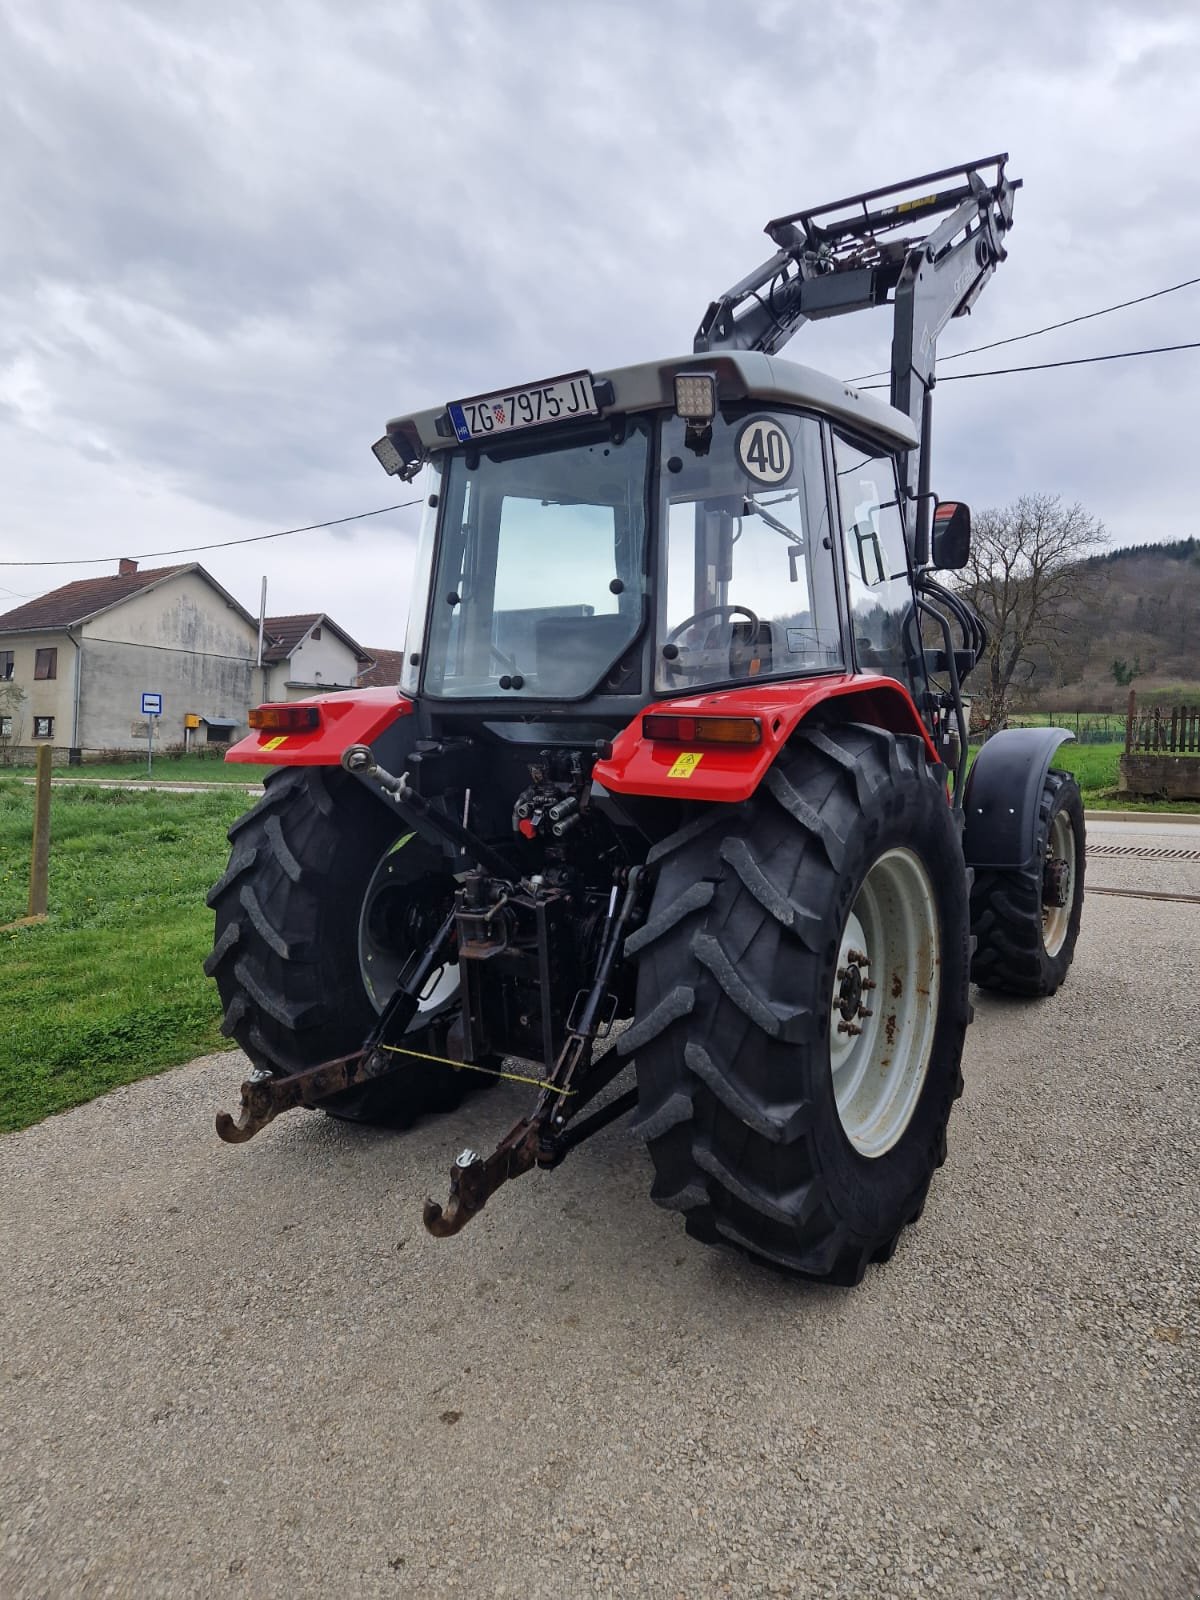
540,583
749,587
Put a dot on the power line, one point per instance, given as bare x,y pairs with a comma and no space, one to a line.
952,377
1043,366
1050,327
224,544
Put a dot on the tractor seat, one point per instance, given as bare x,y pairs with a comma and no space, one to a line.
573,653
749,644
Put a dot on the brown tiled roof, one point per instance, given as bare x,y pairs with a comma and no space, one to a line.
285,633
75,602
385,672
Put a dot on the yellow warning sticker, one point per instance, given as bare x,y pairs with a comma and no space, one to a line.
273,744
686,764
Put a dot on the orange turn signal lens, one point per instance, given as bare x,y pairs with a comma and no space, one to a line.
701,730
285,719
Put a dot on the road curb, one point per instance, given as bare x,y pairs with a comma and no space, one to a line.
1142,816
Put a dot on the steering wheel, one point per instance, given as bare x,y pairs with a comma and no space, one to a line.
712,611
674,665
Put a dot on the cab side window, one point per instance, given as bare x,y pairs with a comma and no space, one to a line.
876,557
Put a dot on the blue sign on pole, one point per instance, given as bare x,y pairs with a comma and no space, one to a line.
151,708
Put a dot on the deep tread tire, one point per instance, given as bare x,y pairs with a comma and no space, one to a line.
285,954
737,965
1006,908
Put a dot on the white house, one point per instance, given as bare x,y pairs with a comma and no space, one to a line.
307,655
75,663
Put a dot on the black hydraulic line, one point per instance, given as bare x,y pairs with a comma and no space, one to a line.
960,768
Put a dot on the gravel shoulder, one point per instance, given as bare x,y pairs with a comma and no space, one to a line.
249,1372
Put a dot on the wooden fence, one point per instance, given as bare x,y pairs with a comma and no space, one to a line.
1162,730
1162,751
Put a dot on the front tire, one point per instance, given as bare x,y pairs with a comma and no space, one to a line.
770,1128
1026,923
324,898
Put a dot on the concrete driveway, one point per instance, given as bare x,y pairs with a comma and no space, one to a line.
249,1372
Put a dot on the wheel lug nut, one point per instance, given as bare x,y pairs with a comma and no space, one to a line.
858,958
869,983
848,1027
865,1011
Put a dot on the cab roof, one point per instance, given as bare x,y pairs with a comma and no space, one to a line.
741,375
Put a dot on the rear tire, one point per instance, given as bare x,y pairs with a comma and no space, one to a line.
1025,947
322,890
747,1090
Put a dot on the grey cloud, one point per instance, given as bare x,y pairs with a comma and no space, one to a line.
246,236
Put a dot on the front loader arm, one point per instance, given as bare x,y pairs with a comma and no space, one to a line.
828,265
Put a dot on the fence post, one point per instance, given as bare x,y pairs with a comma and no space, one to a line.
1129,715
39,872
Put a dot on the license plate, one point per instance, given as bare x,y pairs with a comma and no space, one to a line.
559,400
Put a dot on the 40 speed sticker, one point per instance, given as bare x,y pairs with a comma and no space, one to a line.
764,451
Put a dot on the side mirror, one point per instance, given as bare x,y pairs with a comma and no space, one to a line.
951,544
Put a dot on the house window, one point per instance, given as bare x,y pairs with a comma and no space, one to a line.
6,664
45,664
5,727
43,727
316,634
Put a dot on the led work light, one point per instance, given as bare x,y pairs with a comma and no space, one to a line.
696,396
388,457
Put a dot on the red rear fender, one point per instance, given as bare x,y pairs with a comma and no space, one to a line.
733,772
348,716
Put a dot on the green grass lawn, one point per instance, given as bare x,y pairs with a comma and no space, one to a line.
167,769
1097,768
111,987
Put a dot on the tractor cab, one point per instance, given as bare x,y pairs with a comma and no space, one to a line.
655,531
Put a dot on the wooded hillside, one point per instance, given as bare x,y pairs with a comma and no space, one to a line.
1136,623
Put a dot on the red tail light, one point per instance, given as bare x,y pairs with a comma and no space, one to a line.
285,719
702,730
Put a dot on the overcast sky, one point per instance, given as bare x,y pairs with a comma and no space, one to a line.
236,238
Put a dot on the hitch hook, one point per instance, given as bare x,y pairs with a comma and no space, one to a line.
473,1182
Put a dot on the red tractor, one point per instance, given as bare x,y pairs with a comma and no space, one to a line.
675,777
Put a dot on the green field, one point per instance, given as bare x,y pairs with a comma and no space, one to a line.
1097,768
110,988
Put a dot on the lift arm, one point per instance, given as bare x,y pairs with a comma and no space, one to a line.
846,256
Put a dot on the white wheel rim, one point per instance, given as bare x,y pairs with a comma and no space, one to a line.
1056,920
879,1053
380,966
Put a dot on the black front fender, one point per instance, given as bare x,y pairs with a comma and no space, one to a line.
1003,796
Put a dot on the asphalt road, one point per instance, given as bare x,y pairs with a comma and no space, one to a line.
248,1371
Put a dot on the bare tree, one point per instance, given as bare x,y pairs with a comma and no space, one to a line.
1026,570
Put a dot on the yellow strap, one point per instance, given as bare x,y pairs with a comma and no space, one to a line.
491,1072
